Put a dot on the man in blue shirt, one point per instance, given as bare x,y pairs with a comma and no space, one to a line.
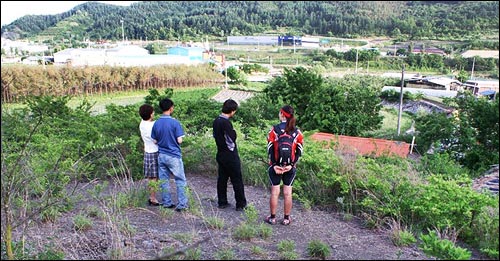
168,133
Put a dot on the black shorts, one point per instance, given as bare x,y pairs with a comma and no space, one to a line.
287,177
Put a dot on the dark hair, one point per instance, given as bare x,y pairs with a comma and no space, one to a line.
290,121
166,104
145,111
229,106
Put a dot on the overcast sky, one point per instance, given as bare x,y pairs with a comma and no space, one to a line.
12,10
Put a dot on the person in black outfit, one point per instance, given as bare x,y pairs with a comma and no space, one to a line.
228,160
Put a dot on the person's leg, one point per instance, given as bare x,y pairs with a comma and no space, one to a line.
177,167
152,190
222,179
288,179
273,202
153,176
237,181
287,194
164,176
275,181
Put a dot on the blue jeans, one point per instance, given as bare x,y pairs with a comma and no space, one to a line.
168,165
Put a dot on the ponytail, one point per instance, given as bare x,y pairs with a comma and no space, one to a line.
287,111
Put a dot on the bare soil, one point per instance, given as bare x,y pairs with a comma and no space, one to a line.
151,232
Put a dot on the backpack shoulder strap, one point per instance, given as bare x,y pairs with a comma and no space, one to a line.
277,129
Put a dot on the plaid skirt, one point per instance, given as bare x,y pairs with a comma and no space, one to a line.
151,165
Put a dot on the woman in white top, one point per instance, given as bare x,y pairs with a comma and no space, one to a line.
146,112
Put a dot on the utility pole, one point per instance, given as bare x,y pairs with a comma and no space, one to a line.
356,71
225,71
401,99
472,72
123,33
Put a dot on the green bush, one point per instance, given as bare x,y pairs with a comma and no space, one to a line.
442,248
443,203
485,230
81,222
316,248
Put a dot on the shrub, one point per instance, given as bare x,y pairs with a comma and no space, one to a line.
443,248
81,222
226,254
316,248
485,230
286,245
214,222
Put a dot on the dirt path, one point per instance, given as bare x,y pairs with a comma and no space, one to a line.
147,232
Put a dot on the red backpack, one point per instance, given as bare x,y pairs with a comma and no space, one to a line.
284,150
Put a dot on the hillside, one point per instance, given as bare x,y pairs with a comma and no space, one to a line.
193,20
147,232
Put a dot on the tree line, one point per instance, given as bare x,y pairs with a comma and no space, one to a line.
18,82
192,20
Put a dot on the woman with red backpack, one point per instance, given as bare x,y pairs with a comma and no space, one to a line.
284,148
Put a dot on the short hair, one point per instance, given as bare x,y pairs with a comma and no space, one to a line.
166,104
229,106
145,111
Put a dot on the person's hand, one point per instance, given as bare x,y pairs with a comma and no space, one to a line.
286,168
278,169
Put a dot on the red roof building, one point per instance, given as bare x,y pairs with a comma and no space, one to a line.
365,146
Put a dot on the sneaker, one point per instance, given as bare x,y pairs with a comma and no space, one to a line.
181,209
270,220
222,206
171,206
286,222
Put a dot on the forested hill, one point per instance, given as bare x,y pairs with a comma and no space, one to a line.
193,20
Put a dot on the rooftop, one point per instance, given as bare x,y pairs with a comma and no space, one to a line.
365,146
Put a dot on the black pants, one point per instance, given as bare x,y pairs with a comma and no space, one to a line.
230,168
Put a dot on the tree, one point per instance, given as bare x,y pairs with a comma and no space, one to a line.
349,106
463,76
470,136
295,87
236,76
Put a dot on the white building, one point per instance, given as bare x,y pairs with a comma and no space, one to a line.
126,55
253,40
10,46
480,53
310,42
426,92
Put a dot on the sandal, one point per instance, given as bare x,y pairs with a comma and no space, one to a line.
270,220
286,222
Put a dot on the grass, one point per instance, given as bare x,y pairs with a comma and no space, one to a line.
135,97
390,124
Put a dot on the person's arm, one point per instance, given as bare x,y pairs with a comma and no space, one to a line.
229,131
179,132
271,138
299,148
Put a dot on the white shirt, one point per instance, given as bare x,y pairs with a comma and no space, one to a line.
149,145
